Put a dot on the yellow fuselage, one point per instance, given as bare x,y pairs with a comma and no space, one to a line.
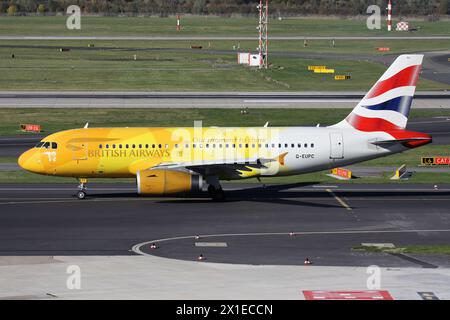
122,152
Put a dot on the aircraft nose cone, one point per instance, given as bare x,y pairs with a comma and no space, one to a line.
28,162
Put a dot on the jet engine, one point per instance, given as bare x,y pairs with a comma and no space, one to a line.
160,182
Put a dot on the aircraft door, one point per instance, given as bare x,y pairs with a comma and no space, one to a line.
79,147
336,145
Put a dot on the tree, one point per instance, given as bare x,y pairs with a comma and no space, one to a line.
12,10
444,7
27,5
41,9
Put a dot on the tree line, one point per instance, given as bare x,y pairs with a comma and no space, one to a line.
222,7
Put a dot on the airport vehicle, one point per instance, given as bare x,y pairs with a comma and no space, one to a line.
177,160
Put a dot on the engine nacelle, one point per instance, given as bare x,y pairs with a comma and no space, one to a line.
160,182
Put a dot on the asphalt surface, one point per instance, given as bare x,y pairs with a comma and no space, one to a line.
425,100
254,223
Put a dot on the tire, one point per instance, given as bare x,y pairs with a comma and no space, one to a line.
218,195
81,195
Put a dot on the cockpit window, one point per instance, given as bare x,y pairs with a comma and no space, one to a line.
39,144
54,145
46,145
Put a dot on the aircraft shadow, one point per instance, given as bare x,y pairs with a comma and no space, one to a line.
279,194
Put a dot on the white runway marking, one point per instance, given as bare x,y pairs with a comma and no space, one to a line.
211,244
137,248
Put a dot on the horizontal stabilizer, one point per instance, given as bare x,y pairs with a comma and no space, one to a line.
407,142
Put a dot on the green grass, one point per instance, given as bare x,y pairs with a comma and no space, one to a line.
159,67
414,249
8,160
207,26
58,119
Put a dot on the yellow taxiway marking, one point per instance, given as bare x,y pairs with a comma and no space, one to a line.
341,202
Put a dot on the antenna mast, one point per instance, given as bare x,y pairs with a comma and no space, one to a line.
263,35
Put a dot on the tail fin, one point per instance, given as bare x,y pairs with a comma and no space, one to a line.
386,106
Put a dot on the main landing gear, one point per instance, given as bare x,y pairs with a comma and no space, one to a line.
214,188
216,193
81,193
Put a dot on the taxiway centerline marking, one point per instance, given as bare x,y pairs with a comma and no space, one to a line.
338,199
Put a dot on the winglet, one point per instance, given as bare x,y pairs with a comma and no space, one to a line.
266,125
86,125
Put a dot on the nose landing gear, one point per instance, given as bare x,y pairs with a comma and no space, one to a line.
81,193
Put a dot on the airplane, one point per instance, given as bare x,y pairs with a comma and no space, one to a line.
187,159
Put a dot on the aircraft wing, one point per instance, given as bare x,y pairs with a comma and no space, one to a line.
222,166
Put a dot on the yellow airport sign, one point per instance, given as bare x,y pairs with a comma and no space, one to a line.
312,68
342,77
323,70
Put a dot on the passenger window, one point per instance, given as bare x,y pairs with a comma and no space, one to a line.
107,146
133,146
279,145
159,146
113,146
292,145
140,146
100,146
299,145
306,145
312,145
54,145
120,146
176,146
146,146
285,145
127,146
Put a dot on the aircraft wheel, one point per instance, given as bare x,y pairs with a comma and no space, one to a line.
216,194
81,195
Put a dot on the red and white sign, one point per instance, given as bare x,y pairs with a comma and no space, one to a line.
344,173
402,26
30,127
178,23
383,49
442,160
347,295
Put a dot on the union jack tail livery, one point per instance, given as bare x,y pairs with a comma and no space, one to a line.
386,106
